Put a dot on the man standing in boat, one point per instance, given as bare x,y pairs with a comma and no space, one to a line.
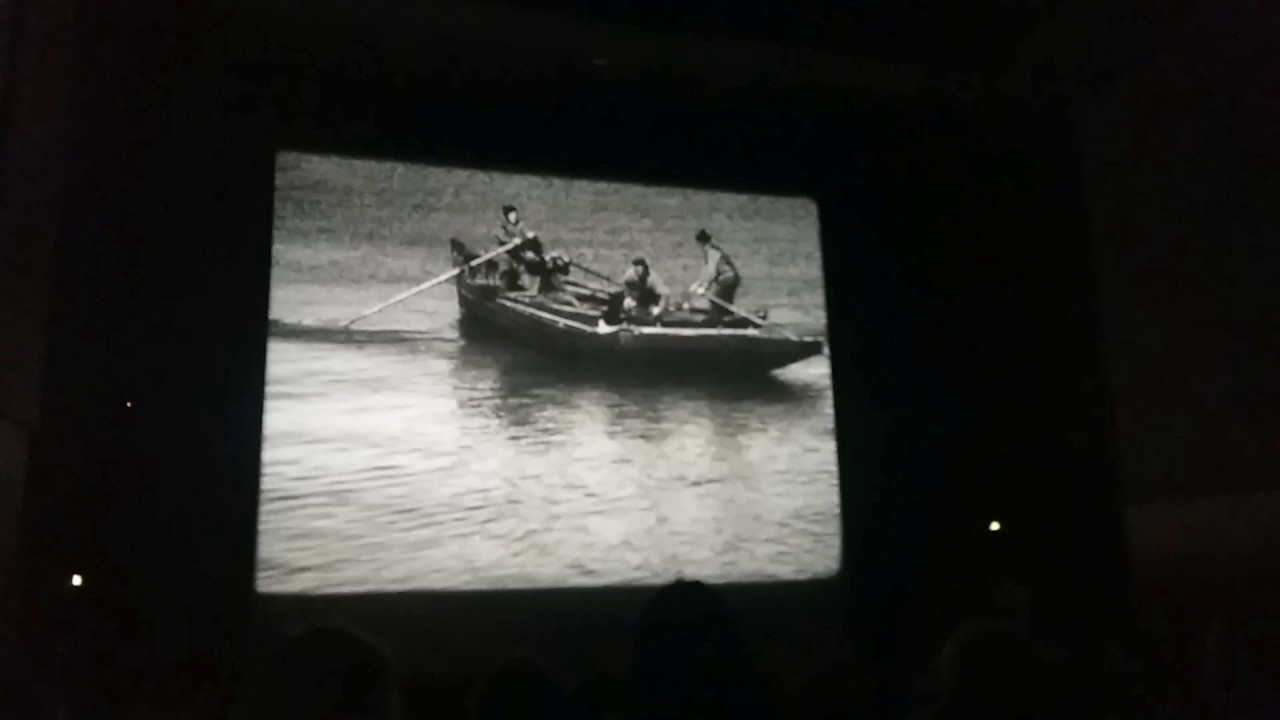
719,275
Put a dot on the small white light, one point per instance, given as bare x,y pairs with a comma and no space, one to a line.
76,580
128,403
994,526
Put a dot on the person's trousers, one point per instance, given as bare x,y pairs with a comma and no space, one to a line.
724,291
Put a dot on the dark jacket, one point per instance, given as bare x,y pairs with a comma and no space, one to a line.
718,268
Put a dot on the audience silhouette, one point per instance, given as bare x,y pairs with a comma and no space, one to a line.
522,689
690,660
602,697
330,673
989,671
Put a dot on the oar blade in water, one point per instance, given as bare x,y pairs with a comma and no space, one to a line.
332,332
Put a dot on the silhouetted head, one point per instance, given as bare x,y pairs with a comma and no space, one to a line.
989,667
520,690
603,698
687,635
327,673
703,237
20,691
511,214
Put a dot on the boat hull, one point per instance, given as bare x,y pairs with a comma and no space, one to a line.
575,335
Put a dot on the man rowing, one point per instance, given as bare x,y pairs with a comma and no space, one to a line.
544,271
719,276
522,258
512,227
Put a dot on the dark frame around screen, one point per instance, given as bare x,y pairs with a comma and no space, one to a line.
963,333
654,148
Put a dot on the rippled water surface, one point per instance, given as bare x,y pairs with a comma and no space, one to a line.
406,457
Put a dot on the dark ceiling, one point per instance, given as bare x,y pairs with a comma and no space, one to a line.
966,35
823,49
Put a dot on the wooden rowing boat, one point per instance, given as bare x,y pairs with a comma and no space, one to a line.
571,326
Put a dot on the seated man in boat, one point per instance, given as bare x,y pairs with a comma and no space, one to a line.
550,271
644,294
719,277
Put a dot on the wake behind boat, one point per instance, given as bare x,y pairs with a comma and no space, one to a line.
573,325
322,333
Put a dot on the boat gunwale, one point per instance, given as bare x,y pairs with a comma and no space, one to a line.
657,330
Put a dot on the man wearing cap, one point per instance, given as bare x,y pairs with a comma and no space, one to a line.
643,291
512,265
512,227
719,275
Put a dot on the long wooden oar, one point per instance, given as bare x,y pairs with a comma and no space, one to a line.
588,289
594,273
744,314
433,282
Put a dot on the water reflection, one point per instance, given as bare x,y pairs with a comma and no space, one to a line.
474,464
618,417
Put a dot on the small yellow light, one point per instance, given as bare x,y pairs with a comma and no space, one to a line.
994,526
76,580
128,403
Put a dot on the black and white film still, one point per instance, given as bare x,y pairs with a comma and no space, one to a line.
612,384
